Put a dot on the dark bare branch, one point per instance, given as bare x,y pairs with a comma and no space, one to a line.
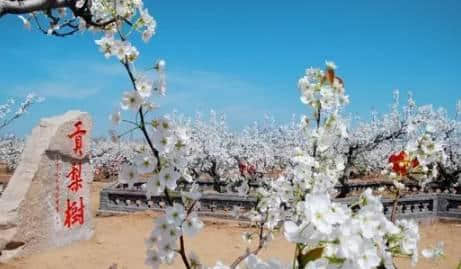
28,6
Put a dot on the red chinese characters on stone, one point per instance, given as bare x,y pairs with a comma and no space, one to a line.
75,177
74,213
77,136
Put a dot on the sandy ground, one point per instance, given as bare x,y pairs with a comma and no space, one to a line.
120,239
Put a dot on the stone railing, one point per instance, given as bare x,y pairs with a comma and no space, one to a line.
420,206
358,186
117,201
353,187
417,206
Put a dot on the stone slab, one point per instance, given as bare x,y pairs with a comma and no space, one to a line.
47,201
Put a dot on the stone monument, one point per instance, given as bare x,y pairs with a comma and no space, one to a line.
47,201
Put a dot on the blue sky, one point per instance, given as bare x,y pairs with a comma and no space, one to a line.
244,58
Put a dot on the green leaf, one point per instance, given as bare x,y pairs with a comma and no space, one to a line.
337,260
311,255
459,265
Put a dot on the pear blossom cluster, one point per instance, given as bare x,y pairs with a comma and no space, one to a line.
140,21
320,95
364,238
162,243
164,170
172,145
123,50
328,234
64,18
419,161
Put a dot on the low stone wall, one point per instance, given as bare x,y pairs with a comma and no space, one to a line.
118,201
419,206
358,187
353,187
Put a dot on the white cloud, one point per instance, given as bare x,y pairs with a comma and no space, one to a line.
210,81
57,88
65,90
210,87
70,80
241,100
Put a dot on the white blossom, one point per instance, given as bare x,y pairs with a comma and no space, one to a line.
131,100
175,214
192,225
145,163
153,259
128,175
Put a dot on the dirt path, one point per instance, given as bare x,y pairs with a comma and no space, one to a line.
120,239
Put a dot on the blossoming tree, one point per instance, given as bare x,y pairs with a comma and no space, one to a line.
326,234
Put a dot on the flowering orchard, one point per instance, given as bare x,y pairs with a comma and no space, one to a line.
299,202
372,142
263,149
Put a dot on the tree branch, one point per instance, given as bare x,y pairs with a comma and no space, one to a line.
254,252
28,6
394,206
